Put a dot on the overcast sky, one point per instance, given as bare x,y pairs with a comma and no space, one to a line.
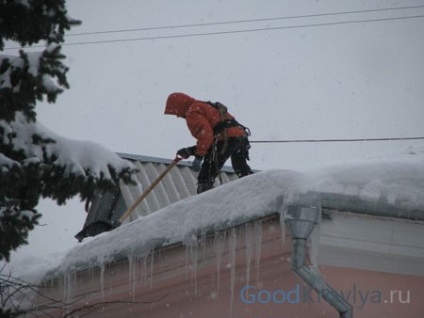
286,69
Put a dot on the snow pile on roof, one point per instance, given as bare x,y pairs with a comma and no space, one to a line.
236,202
394,182
399,181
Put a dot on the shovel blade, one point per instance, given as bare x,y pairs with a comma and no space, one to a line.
95,228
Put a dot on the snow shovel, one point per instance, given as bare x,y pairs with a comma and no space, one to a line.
101,226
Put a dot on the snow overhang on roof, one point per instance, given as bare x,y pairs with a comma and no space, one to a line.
389,188
107,207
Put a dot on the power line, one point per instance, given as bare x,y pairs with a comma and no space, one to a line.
336,140
163,37
246,21
152,38
242,31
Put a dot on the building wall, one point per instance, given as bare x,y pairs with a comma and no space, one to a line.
206,279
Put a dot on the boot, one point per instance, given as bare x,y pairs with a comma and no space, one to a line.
203,186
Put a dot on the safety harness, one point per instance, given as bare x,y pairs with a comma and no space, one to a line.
221,127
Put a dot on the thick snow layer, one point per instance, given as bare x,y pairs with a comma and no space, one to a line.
79,157
32,61
399,181
233,203
394,181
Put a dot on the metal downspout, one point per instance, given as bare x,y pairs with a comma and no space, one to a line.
301,221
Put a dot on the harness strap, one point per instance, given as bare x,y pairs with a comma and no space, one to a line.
227,123
222,111
224,123
215,159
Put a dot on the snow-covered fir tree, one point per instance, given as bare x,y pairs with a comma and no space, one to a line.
35,162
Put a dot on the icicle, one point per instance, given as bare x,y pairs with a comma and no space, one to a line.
152,261
69,282
132,274
102,282
203,239
187,257
144,276
130,271
232,253
194,256
192,253
248,249
283,214
219,243
258,245
91,271
139,265
65,287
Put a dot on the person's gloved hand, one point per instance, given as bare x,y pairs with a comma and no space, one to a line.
197,164
186,152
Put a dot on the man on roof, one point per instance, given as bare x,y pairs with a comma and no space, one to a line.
219,137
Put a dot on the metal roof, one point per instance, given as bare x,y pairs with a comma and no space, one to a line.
146,159
178,184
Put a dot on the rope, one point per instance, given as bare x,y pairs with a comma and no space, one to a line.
335,140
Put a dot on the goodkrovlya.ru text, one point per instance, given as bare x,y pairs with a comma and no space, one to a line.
250,295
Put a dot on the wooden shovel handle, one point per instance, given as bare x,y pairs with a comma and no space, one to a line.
149,189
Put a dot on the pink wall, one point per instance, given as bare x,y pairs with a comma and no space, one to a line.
179,287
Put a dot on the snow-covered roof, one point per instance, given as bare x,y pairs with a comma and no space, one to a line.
178,184
385,187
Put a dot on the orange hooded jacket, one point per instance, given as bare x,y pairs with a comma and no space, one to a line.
201,119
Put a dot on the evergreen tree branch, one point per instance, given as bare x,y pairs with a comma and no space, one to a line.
28,22
34,162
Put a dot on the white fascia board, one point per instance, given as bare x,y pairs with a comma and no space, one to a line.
372,243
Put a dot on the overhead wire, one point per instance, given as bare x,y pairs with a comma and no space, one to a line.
268,28
198,25
259,30
152,38
246,21
336,140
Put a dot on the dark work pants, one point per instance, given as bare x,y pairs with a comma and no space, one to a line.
237,149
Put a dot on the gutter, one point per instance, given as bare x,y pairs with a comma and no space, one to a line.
379,207
302,219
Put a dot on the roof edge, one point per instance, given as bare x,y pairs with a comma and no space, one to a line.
165,161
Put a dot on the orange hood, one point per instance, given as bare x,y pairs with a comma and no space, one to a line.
177,104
